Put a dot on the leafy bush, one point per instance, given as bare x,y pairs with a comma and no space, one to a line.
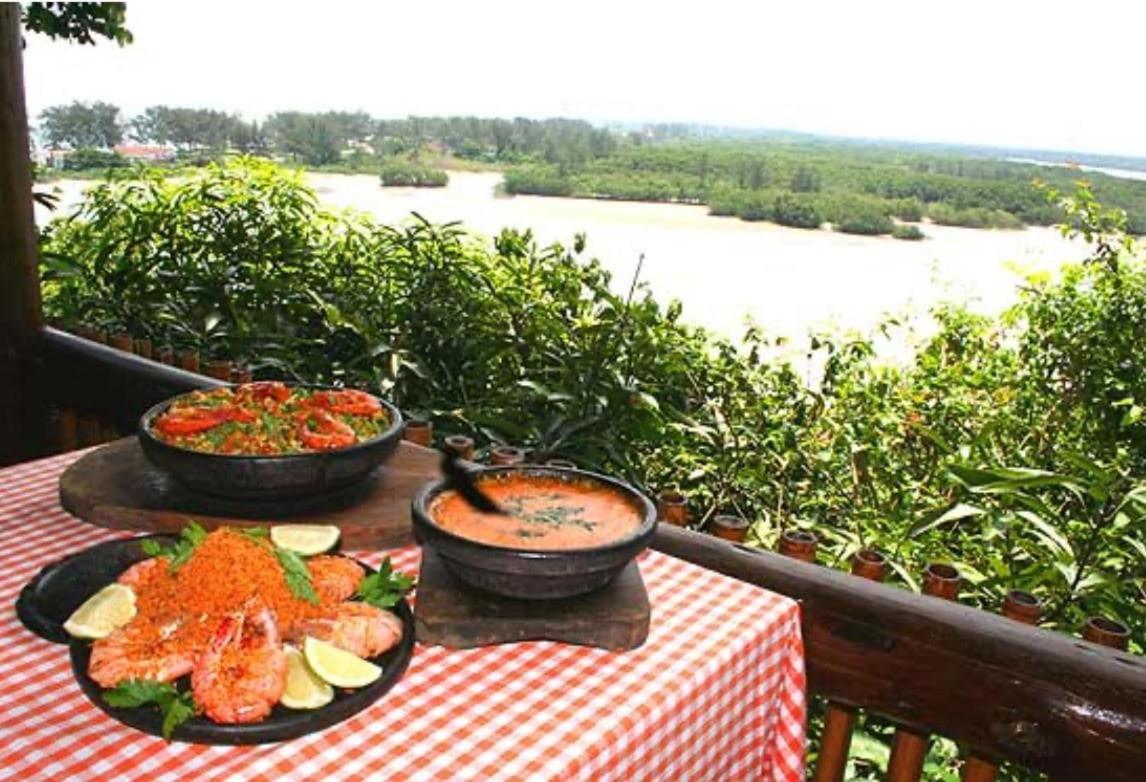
798,211
405,173
862,219
84,159
908,232
972,217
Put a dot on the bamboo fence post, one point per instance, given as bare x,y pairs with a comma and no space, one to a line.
1106,632
460,446
909,748
418,432
504,455
672,508
220,370
799,544
840,720
732,528
1021,607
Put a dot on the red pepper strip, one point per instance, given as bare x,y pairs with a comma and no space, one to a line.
241,414
350,402
331,432
190,420
264,389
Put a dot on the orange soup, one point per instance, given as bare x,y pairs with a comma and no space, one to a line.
543,513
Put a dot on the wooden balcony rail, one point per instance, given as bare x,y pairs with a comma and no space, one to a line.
1005,690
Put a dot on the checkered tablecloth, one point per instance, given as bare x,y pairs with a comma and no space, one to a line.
716,693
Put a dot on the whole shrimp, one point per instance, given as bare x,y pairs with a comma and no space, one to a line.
133,652
334,578
358,628
241,674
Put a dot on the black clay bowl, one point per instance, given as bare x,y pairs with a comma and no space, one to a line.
47,601
529,573
268,478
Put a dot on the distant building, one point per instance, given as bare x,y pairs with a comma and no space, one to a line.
144,152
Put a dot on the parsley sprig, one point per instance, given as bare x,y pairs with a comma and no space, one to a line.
297,575
177,707
386,587
181,551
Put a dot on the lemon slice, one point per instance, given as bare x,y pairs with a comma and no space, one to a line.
337,666
303,689
108,609
305,539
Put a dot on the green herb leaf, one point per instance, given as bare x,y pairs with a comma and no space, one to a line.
152,548
176,710
136,692
297,575
386,587
189,540
177,707
258,533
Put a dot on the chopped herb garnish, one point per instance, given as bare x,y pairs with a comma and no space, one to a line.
189,539
152,547
297,575
386,587
177,707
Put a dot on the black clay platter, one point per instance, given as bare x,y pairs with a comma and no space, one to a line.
271,478
50,598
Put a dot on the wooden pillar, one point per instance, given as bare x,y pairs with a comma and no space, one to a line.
20,317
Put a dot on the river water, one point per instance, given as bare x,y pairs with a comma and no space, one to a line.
724,270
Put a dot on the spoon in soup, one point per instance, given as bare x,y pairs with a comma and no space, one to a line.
461,479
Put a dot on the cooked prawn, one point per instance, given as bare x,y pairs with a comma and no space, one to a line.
335,578
143,572
132,653
241,674
359,628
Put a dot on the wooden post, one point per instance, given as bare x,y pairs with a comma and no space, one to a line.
1021,607
798,544
840,720
22,414
419,432
909,748
672,507
732,528
505,455
460,446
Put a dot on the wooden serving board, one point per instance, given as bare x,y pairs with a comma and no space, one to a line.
116,487
451,613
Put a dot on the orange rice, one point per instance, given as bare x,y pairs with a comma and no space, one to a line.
226,569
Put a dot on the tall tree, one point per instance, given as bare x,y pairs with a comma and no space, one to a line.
82,125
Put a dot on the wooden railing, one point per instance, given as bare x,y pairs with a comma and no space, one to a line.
1005,690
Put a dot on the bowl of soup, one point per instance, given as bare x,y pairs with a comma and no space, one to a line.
565,532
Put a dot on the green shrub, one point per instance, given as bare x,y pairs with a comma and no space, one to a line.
538,180
908,232
972,217
862,219
85,159
404,173
796,210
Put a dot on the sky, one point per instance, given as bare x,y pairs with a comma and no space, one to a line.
1018,73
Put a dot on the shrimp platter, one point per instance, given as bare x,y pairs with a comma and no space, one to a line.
216,619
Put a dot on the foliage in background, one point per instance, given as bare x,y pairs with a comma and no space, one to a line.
78,21
1013,447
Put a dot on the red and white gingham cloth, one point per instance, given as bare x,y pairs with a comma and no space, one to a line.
716,693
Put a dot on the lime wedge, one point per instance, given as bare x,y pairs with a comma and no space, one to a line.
339,667
305,539
107,610
303,689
